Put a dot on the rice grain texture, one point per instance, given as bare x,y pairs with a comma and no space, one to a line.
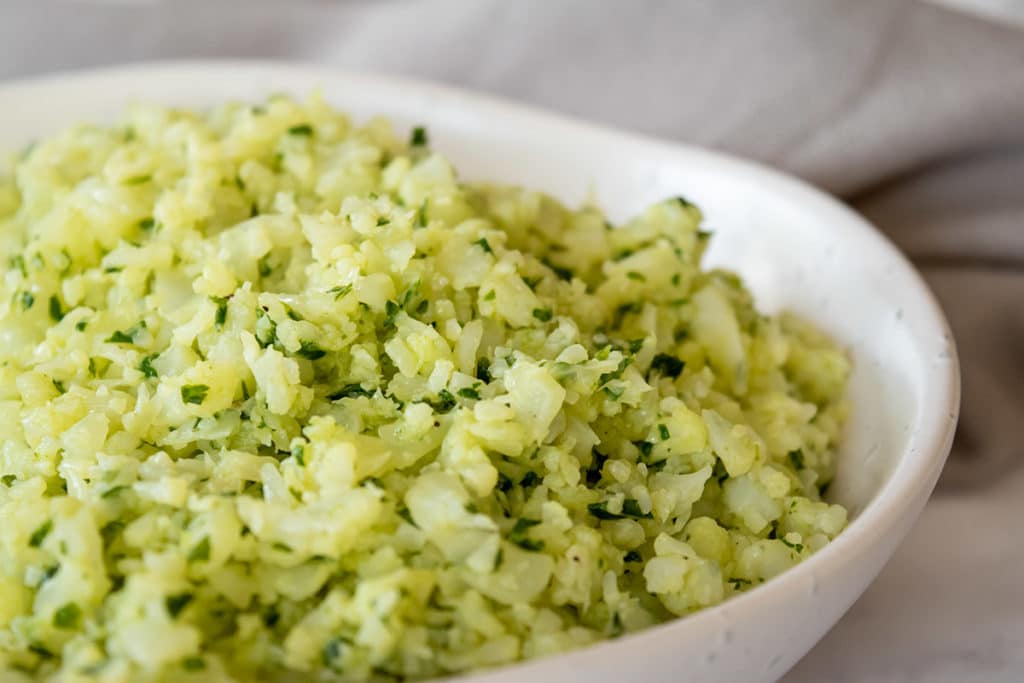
283,399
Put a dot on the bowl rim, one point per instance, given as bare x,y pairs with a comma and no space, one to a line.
917,468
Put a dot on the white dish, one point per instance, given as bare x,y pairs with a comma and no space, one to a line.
796,247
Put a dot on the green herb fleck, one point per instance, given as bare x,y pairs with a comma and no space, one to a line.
8,479
491,295
201,551
125,337
350,391
40,534
264,267
340,291
299,453
530,479
194,393
600,510
663,432
301,129
311,350
81,325
633,556
147,224
137,180
469,392
222,311
421,214
27,299
799,547
113,491
404,513
483,370
67,616
667,365
56,312
483,244
542,314
146,366
418,138
59,386
631,508
331,652
518,535
597,461
797,459
281,547
193,664
176,603
391,311
633,275
684,202
445,401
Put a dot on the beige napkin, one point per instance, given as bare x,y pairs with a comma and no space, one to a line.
912,113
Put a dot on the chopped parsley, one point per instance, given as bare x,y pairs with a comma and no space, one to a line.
667,365
193,664
349,391
518,535
663,432
796,458
176,603
799,547
222,311
125,336
40,534
263,266
340,291
27,299
445,401
530,479
630,508
469,392
200,551
146,366
542,314
67,616
483,244
310,350
418,138
483,370
56,311
301,129
194,393
684,202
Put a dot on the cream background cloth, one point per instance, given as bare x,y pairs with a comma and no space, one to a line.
912,113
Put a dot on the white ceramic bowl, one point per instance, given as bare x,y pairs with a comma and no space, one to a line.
797,248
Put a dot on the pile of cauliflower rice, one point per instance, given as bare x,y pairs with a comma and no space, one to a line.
284,399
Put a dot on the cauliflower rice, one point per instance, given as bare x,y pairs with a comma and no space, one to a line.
282,399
